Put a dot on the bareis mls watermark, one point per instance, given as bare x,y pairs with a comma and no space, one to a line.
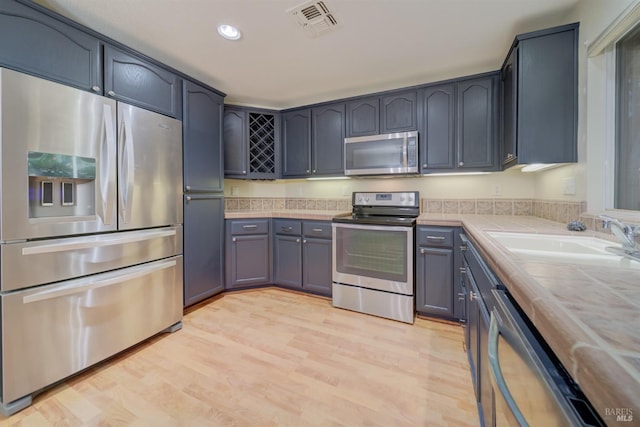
620,414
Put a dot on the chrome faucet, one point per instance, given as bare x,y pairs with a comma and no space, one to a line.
626,233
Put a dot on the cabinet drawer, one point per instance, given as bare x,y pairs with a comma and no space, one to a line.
284,226
435,236
317,229
256,226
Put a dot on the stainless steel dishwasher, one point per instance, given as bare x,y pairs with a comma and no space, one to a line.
530,386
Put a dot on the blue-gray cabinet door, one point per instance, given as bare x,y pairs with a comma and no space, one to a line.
133,80
328,130
202,139
235,142
363,117
38,44
296,143
476,124
548,97
248,260
203,247
434,284
437,139
399,112
316,265
509,108
287,260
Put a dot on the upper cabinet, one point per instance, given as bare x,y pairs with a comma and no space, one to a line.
459,125
327,139
202,139
539,97
398,112
250,138
296,143
36,43
363,117
395,112
132,79
313,141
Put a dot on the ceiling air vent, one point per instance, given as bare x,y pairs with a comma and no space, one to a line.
314,17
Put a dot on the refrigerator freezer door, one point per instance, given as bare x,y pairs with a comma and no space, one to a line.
66,258
150,168
58,149
95,317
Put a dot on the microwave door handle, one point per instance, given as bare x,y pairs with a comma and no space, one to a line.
107,152
405,151
496,376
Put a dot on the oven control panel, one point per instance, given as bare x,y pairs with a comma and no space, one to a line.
389,198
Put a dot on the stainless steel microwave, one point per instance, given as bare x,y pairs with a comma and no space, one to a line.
385,154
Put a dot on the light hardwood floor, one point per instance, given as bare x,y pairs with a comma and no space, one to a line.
273,358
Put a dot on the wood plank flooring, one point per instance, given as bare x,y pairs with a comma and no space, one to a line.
270,357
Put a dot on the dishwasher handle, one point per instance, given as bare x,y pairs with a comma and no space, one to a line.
497,379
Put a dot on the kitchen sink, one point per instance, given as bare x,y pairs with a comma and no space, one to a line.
563,248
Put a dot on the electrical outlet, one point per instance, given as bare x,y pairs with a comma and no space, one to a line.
569,186
235,191
496,189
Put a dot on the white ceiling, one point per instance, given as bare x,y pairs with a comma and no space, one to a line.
380,44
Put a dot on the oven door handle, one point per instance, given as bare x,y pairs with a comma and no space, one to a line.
356,226
497,378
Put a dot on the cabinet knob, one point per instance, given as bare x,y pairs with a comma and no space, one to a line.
111,93
314,171
472,296
423,251
188,198
233,239
95,88
304,241
461,164
308,171
188,188
244,172
297,240
510,155
424,165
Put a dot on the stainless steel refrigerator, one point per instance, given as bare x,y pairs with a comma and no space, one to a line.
90,231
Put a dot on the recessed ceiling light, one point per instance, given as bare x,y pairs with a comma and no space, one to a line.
229,32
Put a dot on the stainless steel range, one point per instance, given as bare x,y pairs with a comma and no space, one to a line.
373,255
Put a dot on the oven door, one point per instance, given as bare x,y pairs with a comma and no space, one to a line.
374,257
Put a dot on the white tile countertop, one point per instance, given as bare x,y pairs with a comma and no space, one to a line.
588,314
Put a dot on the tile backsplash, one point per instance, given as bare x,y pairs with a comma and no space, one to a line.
554,210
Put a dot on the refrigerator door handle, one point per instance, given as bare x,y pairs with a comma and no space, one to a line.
127,168
97,242
107,152
94,283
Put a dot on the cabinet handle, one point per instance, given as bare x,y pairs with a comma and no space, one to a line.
317,230
250,226
472,296
304,241
423,251
435,238
188,188
111,93
188,198
463,248
461,164
286,228
95,88
297,240
424,165
233,239
510,156
461,296
463,270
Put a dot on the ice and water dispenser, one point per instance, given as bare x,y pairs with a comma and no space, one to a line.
61,185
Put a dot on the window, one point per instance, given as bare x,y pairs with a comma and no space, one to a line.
627,170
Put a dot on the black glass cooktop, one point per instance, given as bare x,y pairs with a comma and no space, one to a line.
376,220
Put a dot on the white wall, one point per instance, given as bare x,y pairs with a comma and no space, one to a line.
594,17
509,184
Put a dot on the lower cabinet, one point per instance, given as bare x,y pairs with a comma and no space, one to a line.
248,250
478,285
302,255
203,247
435,271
